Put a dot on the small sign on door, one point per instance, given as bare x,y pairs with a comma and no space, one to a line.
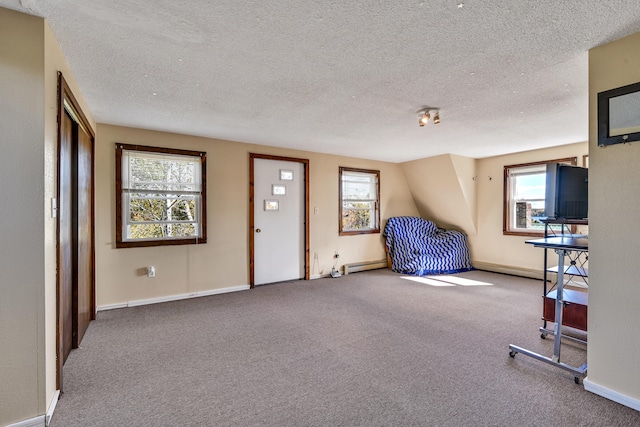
271,205
278,190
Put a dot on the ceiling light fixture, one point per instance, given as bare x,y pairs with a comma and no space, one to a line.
424,118
424,115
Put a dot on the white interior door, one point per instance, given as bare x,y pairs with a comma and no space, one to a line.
279,213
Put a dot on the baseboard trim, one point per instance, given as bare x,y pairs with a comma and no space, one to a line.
223,290
52,407
607,393
33,422
112,306
506,269
170,298
319,276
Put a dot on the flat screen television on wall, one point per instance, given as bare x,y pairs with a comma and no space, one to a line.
566,193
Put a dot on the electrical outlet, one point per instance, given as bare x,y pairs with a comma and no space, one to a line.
315,255
151,271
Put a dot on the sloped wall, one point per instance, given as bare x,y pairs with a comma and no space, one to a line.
465,168
443,190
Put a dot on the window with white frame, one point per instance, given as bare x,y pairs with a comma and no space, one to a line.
359,201
160,196
524,197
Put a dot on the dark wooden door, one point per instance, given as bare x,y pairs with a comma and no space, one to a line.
83,239
76,287
65,240
76,242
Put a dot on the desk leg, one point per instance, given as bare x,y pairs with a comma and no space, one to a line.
555,359
559,306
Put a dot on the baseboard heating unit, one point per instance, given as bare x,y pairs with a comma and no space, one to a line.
364,266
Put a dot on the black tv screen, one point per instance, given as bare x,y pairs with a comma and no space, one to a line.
566,193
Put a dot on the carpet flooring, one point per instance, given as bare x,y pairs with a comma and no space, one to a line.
368,349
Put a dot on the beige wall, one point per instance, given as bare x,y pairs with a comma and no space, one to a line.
54,62
224,261
22,343
467,194
29,61
614,192
467,176
457,201
489,247
22,370
442,187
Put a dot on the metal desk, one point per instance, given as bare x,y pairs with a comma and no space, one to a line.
563,246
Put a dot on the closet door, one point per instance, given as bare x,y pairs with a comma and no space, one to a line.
65,240
75,239
84,236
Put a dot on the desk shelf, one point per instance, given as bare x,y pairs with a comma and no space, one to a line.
574,312
576,267
571,270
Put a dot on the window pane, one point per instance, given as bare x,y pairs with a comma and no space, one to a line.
157,172
528,215
529,187
161,231
358,187
159,207
527,198
356,216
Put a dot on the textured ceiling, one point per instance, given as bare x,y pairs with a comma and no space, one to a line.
342,77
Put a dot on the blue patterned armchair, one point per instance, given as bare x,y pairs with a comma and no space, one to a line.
418,247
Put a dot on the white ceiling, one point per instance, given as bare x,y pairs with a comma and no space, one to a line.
339,76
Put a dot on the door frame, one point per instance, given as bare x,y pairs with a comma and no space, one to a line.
67,102
305,163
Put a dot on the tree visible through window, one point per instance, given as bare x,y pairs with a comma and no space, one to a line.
160,196
359,201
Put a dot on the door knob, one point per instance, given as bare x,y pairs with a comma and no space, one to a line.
258,230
